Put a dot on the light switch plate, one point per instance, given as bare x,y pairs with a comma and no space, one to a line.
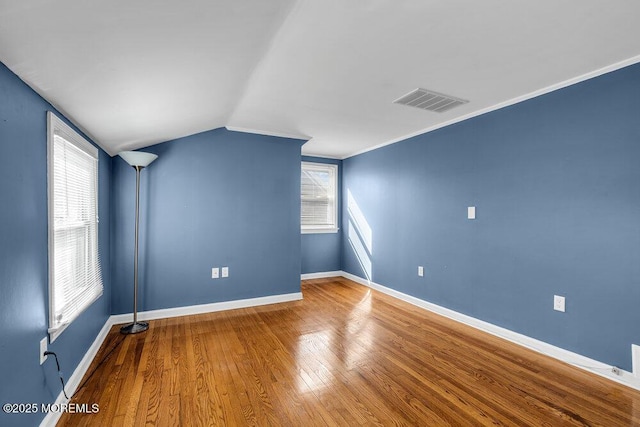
558,303
225,271
420,271
215,272
471,212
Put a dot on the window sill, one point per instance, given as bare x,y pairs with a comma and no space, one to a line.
319,230
55,332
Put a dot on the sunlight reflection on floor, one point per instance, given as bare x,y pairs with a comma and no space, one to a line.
316,351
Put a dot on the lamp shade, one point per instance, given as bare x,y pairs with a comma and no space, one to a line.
138,158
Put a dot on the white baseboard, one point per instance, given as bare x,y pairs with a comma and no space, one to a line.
604,370
588,364
72,384
165,313
51,419
321,275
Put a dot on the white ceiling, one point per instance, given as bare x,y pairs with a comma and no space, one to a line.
135,73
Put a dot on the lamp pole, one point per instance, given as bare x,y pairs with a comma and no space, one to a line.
138,160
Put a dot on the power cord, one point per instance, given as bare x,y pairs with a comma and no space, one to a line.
613,369
47,353
106,356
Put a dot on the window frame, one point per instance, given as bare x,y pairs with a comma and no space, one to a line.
55,126
333,172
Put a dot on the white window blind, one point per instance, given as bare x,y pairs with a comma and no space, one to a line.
319,198
75,279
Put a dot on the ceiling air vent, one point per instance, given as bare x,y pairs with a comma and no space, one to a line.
430,100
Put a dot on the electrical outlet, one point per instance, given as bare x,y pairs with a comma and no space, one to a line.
420,271
43,348
215,272
225,271
558,303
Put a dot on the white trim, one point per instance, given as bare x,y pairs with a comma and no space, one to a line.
333,171
165,313
321,275
319,156
594,366
73,382
604,370
319,230
269,133
51,419
512,101
56,332
56,126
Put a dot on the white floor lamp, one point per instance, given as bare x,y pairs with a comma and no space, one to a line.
138,160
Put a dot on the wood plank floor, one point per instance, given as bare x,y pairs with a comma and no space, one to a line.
345,355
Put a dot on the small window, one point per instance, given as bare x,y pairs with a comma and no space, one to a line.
319,195
75,280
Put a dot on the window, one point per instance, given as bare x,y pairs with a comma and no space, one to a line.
319,195
74,268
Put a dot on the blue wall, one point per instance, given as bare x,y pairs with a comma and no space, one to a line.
24,256
322,251
214,199
556,183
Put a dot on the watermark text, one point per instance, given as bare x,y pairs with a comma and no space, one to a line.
59,408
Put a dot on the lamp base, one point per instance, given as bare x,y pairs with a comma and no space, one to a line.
134,328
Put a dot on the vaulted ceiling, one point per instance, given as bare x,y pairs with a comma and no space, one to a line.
135,73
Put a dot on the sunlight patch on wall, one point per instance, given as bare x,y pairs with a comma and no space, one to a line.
360,251
360,222
360,236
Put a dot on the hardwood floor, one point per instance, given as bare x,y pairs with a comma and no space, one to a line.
345,355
